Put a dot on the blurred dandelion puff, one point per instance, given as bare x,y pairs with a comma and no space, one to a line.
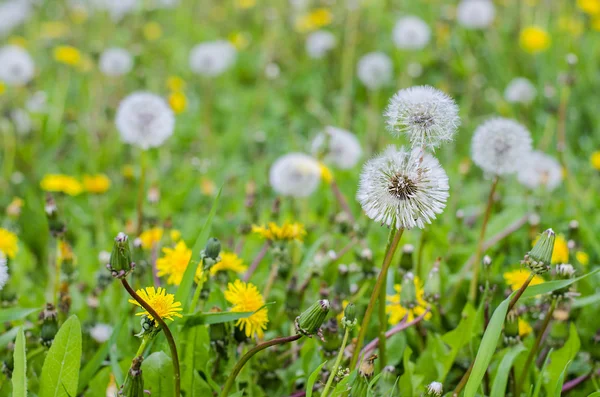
295,175
375,70
212,58
340,148
16,66
540,170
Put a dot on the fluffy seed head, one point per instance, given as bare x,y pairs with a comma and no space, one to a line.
374,70
427,116
319,43
475,14
340,147
3,271
117,9
12,14
101,332
540,171
500,145
212,58
115,62
520,90
399,189
295,175
145,120
411,33
16,65
435,389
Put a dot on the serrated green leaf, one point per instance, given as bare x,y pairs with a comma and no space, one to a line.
19,375
312,379
16,313
501,379
60,373
157,370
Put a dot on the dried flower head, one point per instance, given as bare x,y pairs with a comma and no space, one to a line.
115,62
16,66
145,120
375,70
402,188
411,33
340,148
500,145
295,175
540,171
319,43
520,90
212,58
475,14
427,116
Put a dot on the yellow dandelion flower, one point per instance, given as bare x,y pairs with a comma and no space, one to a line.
571,25
207,187
534,39
152,31
178,102
524,328
245,4
174,262
128,171
287,232
516,278
98,183
68,55
175,84
54,30
591,7
61,183
19,41
8,243
397,312
340,315
14,208
65,252
246,298
229,261
2,88
314,20
582,257
326,173
175,235
239,40
151,237
595,160
163,304
560,253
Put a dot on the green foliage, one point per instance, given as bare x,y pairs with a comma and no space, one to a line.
157,370
560,359
19,375
310,384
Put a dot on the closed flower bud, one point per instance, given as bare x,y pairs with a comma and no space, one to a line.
434,389
349,320
134,383
540,256
310,321
432,287
408,293
149,328
511,328
49,326
212,249
120,264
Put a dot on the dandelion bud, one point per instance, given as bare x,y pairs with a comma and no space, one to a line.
49,326
56,225
310,321
434,389
134,383
211,252
538,259
120,264
331,334
408,293
349,320
149,328
433,284
511,328
406,261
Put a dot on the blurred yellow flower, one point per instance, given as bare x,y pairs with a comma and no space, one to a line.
340,315
591,7
128,171
207,187
67,55
245,4
287,232
175,235
229,261
19,41
239,40
174,262
151,237
8,243
571,25
596,23
516,278
595,160
61,183
152,31
524,328
78,15
246,298
582,257
14,208
397,312
54,30
326,174
314,20
534,39
178,102
2,88
163,304
98,183
65,252
175,83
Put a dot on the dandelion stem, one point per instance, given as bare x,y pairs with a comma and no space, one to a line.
339,196
463,381
166,330
271,279
338,360
479,249
382,314
375,294
520,291
261,346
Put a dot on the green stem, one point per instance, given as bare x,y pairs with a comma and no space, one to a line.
522,289
375,294
197,292
338,360
166,330
261,346
141,192
382,315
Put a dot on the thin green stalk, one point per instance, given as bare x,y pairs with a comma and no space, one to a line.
522,289
382,314
338,360
196,296
141,192
375,294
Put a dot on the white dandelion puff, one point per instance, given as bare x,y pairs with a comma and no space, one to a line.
101,332
475,14
340,147
520,90
319,43
115,62
411,33
212,58
539,170
16,66
500,145
435,389
295,175
117,9
4,276
402,188
375,70
12,14
145,120
427,116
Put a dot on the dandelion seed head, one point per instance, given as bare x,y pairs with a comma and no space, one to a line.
475,14
375,70
295,175
101,332
115,62
411,33
117,9
500,145
426,115
319,43
400,190
341,148
145,120
212,58
540,171
16,66
12,14
435,389
520,90
4,276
